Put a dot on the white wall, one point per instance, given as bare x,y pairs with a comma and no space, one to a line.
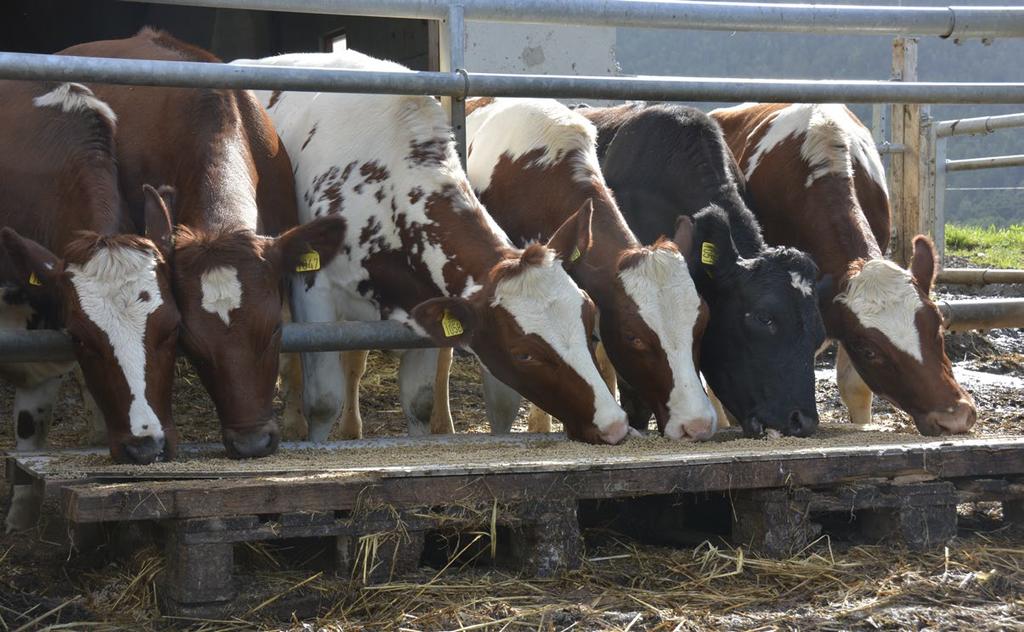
540,49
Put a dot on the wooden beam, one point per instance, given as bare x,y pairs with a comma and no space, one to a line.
905,166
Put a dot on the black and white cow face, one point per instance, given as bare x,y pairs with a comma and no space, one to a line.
758,350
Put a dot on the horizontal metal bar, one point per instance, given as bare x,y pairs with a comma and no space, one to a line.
979,125
982,314
191,74
959,22
979,276
891,148
988,162
20,345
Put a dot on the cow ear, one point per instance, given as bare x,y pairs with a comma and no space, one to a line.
33,268
450,321
923,264
157,214
572,239
684,235
309,247
713,252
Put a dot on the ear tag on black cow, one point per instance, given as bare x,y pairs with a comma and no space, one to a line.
451,325
309,262
576,254
34,280
708,254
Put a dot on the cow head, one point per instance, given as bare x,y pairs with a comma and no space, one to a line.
230,288
531,327
893,333
651,322
765,327
115,297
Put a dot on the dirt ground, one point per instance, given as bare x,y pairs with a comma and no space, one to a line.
624,584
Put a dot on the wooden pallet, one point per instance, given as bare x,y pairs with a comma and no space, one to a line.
905,493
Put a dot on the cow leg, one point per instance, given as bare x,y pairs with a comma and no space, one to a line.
441,414
322,399
353,365
33,412
854,392
416,374
294,426
538,420
501,401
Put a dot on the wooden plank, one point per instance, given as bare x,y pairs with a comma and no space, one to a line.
906,165
419,486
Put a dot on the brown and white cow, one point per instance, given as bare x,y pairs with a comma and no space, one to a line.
71,260
234,188
533,162
422,250
816,182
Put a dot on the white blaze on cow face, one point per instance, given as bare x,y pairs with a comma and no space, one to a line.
805,286
882,296
832,141
662,289
118,290
74,97
222,291
528,125
545,302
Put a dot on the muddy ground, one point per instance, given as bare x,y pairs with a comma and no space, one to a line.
977,582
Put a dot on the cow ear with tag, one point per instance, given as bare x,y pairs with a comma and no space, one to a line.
572,239
31,266
713,251
309,247
450,321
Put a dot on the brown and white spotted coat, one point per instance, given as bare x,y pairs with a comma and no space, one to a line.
534,162
419,245
816,182
234,188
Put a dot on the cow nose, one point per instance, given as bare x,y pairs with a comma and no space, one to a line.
752,427
251,444
144,451
801,424
957,420
697,429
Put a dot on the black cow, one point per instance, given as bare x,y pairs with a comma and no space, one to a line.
666,161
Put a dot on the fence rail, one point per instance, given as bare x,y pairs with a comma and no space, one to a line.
988,162
980,125
955,22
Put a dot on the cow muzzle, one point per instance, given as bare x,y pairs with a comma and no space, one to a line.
252,443
142,451
958,419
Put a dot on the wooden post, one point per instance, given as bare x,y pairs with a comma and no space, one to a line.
906,166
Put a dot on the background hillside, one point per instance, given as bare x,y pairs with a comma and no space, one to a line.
795,56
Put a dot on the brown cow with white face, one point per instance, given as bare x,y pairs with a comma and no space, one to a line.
815,181
422,250
234,186
534,162
70,260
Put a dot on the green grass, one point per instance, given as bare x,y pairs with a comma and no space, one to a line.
990,247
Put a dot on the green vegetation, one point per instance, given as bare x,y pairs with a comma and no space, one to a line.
990,247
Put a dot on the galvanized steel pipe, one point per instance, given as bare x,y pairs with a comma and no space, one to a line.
983,276
989,162
982,314
958,22
29,66
979,125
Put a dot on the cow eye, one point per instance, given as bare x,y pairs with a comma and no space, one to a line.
765,319
522,357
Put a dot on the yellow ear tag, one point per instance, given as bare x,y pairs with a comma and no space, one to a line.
452,326
576,254
309,262
708,254
34,280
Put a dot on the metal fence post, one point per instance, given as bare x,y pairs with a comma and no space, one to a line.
939,163
453,58
905,166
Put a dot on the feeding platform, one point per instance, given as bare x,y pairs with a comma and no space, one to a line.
379,499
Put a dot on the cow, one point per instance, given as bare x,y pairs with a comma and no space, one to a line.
757,354
236,243
533,162
421,249
71,260
816,182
